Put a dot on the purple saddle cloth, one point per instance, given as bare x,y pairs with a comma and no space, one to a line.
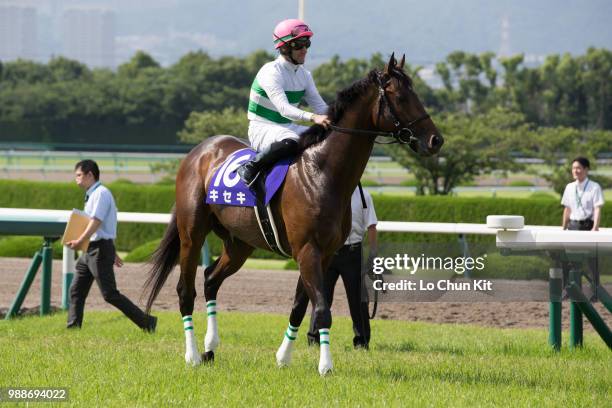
226,187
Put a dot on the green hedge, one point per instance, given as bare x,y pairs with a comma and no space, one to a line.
26,247
514,267
65,196
143,252
160,198
539,211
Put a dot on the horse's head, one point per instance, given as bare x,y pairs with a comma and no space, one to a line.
401,113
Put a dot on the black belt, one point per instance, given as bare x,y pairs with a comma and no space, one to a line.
100,242
582,222
350,247
580,225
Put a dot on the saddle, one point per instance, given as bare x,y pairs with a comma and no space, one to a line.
227,188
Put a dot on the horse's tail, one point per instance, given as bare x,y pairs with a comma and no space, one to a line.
163,259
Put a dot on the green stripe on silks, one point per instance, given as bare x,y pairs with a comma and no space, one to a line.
290,337
187,319
267,113
188,328
324,342
212,313
292,96
293,329
211,303
323,332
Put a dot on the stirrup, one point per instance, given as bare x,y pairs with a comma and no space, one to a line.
242,170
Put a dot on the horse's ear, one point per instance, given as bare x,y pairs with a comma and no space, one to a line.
391,64
401,64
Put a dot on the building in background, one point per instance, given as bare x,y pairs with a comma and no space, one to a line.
88,35
18,32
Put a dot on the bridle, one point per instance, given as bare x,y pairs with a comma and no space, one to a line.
402,134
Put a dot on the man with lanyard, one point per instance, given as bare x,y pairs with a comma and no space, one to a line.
347,263
96,263
277,90
583,200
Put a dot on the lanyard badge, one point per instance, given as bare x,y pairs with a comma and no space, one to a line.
579,196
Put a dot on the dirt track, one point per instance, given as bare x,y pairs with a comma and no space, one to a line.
272,292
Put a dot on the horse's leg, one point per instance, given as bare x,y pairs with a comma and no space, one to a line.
193,227
300,304
312,267
234,253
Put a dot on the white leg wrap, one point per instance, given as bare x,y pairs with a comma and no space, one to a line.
325,358
192,355
211,341
283,355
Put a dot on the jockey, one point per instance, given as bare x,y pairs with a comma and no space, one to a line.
276,92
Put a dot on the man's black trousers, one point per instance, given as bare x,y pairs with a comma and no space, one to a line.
97,264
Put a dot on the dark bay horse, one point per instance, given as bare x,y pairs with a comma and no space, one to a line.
312,210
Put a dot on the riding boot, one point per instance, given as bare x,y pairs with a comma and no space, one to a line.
249,171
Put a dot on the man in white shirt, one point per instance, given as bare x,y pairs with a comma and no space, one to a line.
582,199
347,263
96,263
276,93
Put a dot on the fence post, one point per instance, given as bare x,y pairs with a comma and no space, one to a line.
67,275
604,297
589,311
465,250
25,285
555,287
575,277
45,282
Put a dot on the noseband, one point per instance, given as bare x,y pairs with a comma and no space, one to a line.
402,134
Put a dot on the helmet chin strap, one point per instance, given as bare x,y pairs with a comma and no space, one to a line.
293,60
288,56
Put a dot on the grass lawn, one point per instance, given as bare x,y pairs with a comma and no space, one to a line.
111,363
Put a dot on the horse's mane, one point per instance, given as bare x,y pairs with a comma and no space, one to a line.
347,96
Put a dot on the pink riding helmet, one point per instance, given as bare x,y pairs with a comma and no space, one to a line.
288,30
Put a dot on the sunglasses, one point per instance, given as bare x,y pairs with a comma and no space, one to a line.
300,43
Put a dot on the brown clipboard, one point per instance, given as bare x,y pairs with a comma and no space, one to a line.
77,223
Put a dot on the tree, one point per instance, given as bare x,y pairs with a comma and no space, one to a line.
202,125
138,63
143,102
597,80
469,80
558,146
63,69
474,144
335,75
22,72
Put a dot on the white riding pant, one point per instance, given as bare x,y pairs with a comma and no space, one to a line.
262,135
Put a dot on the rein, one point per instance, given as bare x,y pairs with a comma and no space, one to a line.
401,134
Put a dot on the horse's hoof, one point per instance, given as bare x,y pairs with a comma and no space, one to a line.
208,356
324,372
282,363
283,359
193,360
325,368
